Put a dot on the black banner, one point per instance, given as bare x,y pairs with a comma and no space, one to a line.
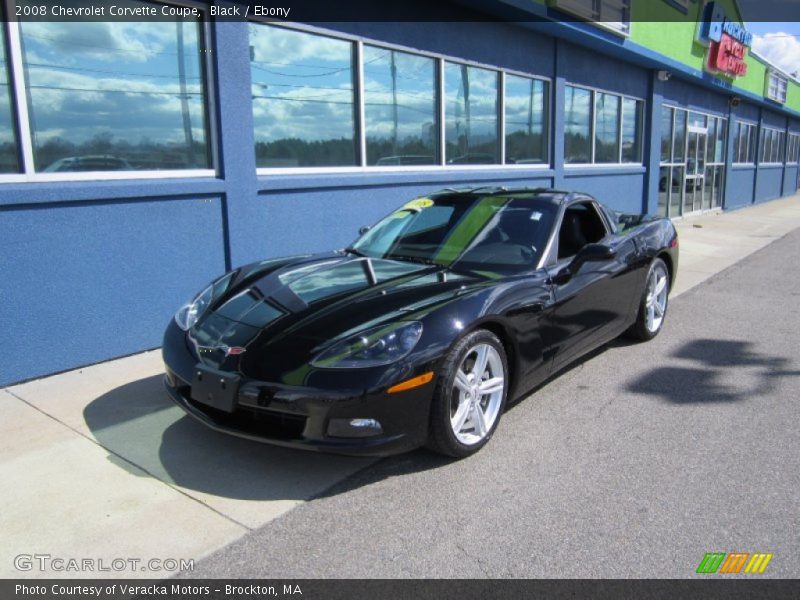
388,589
319,11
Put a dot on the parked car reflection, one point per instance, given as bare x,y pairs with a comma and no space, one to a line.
97,162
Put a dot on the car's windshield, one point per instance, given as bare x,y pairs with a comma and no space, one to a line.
503,233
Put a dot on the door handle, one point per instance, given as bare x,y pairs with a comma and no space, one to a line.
531,308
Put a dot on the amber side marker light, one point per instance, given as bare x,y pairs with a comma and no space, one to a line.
410,384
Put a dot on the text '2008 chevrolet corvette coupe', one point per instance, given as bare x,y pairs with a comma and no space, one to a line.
422,330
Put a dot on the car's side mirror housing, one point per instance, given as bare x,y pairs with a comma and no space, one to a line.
594,253
363,229
589,253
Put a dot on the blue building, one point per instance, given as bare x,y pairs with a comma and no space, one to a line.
140,160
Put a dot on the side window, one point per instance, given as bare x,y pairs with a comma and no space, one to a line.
581,225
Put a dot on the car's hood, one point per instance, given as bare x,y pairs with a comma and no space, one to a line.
289,309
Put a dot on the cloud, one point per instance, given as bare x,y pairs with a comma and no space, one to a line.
781,49
107,42
280,47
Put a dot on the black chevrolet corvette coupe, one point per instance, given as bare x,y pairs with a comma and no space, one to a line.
422,330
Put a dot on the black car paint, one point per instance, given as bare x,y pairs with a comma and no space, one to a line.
545,321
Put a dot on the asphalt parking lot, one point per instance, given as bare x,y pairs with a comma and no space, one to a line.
633,463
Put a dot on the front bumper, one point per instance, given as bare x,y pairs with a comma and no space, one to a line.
299,417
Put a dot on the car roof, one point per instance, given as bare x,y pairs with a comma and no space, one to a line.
539,193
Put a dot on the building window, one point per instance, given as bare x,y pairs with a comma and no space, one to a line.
776,86
577,125
116,96
744,151
682,5
793,148
470,115
667,117
9,150
400,108
525,120
315,105
631,130
303,98
606,128
615,14
771,146
601,128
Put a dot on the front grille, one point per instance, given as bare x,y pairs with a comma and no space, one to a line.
258,422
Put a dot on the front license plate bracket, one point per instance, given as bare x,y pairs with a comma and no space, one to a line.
214,388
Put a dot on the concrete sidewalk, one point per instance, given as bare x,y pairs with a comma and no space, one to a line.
96,463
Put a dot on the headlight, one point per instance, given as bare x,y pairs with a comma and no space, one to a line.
372,348
190,313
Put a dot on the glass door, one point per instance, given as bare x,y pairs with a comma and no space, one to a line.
696,142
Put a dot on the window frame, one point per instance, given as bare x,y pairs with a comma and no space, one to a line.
20,110
682,5
792,148
546,128
773,155
752,127
499,100
620,119
781,82
440,60
552,249
594,14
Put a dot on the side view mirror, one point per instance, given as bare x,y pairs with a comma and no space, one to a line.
589,253
363,229
594,253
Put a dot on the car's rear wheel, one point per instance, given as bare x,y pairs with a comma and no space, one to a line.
470,395
653,305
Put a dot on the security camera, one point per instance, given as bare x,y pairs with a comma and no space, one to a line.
735,101
664,75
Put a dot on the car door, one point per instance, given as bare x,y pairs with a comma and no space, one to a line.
592,304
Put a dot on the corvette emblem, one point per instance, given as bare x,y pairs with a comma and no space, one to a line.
233,350
226,350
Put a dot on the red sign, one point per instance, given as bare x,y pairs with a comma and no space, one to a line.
727,56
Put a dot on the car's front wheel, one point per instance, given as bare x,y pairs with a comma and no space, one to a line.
470,395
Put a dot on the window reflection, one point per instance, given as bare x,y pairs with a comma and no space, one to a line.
679,144
607,129
526,129
303,107
577,125
9,157
399,107
115,96
666,135
470,115
720,145
631,130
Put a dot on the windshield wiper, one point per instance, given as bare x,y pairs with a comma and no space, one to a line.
416,259
356,251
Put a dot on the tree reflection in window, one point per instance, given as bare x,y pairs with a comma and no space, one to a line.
470,115
303,99
399,108
116,96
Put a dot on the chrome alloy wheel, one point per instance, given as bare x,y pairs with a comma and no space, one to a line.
478,390
656,299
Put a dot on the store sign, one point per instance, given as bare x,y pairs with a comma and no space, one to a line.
727,41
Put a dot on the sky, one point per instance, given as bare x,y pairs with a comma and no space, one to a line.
779,43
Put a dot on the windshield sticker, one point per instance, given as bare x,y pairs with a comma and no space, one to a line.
419,204
535,215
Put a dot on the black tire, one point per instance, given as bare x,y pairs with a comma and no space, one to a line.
640,330
442,438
